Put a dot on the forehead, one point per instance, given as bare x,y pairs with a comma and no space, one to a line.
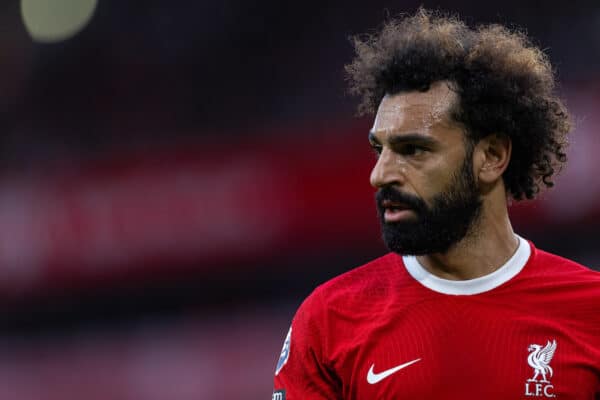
417,112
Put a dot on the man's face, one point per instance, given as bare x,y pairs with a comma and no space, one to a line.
427,196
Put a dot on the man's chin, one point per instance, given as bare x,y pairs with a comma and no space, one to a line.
410,250
413,242
402,243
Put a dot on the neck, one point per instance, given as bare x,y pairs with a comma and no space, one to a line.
486,247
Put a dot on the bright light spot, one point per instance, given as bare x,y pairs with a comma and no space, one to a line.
51,21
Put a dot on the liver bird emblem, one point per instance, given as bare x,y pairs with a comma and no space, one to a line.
539,359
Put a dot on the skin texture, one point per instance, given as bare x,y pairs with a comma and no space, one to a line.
423,166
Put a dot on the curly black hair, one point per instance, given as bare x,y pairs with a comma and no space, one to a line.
506,85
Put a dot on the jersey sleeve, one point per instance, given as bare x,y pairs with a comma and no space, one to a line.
302,371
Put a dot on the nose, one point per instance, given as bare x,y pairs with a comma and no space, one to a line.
386,171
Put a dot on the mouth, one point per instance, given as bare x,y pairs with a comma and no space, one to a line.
395,211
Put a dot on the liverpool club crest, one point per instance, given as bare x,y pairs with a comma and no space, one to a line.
539,359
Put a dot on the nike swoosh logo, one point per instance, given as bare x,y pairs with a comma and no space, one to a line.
373,378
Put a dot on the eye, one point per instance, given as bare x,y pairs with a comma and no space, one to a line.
376,149
412,150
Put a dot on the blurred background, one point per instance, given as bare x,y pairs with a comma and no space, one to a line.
177,176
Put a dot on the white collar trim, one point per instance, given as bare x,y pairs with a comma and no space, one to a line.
472,286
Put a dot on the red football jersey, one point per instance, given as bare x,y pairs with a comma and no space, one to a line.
392,330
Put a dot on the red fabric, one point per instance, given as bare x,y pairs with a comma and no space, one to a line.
470,347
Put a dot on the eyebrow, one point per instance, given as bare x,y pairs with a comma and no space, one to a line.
395,139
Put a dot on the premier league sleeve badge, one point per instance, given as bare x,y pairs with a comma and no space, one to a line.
285,352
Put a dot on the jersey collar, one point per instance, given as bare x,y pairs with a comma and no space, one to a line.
472,286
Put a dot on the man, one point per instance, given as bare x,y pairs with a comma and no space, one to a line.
462,307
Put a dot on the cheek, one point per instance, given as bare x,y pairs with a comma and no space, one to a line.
434,179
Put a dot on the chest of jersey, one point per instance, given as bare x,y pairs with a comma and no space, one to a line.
464,348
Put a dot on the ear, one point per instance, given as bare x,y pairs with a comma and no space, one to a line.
491,157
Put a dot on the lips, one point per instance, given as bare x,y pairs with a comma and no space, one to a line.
394,205
396,211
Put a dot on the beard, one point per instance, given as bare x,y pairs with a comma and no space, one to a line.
436,228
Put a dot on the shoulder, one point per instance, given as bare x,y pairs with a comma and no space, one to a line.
352,294
565,283
374,276
569,291
361,281
341,305
562,269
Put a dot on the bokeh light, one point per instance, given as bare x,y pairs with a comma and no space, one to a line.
56,20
